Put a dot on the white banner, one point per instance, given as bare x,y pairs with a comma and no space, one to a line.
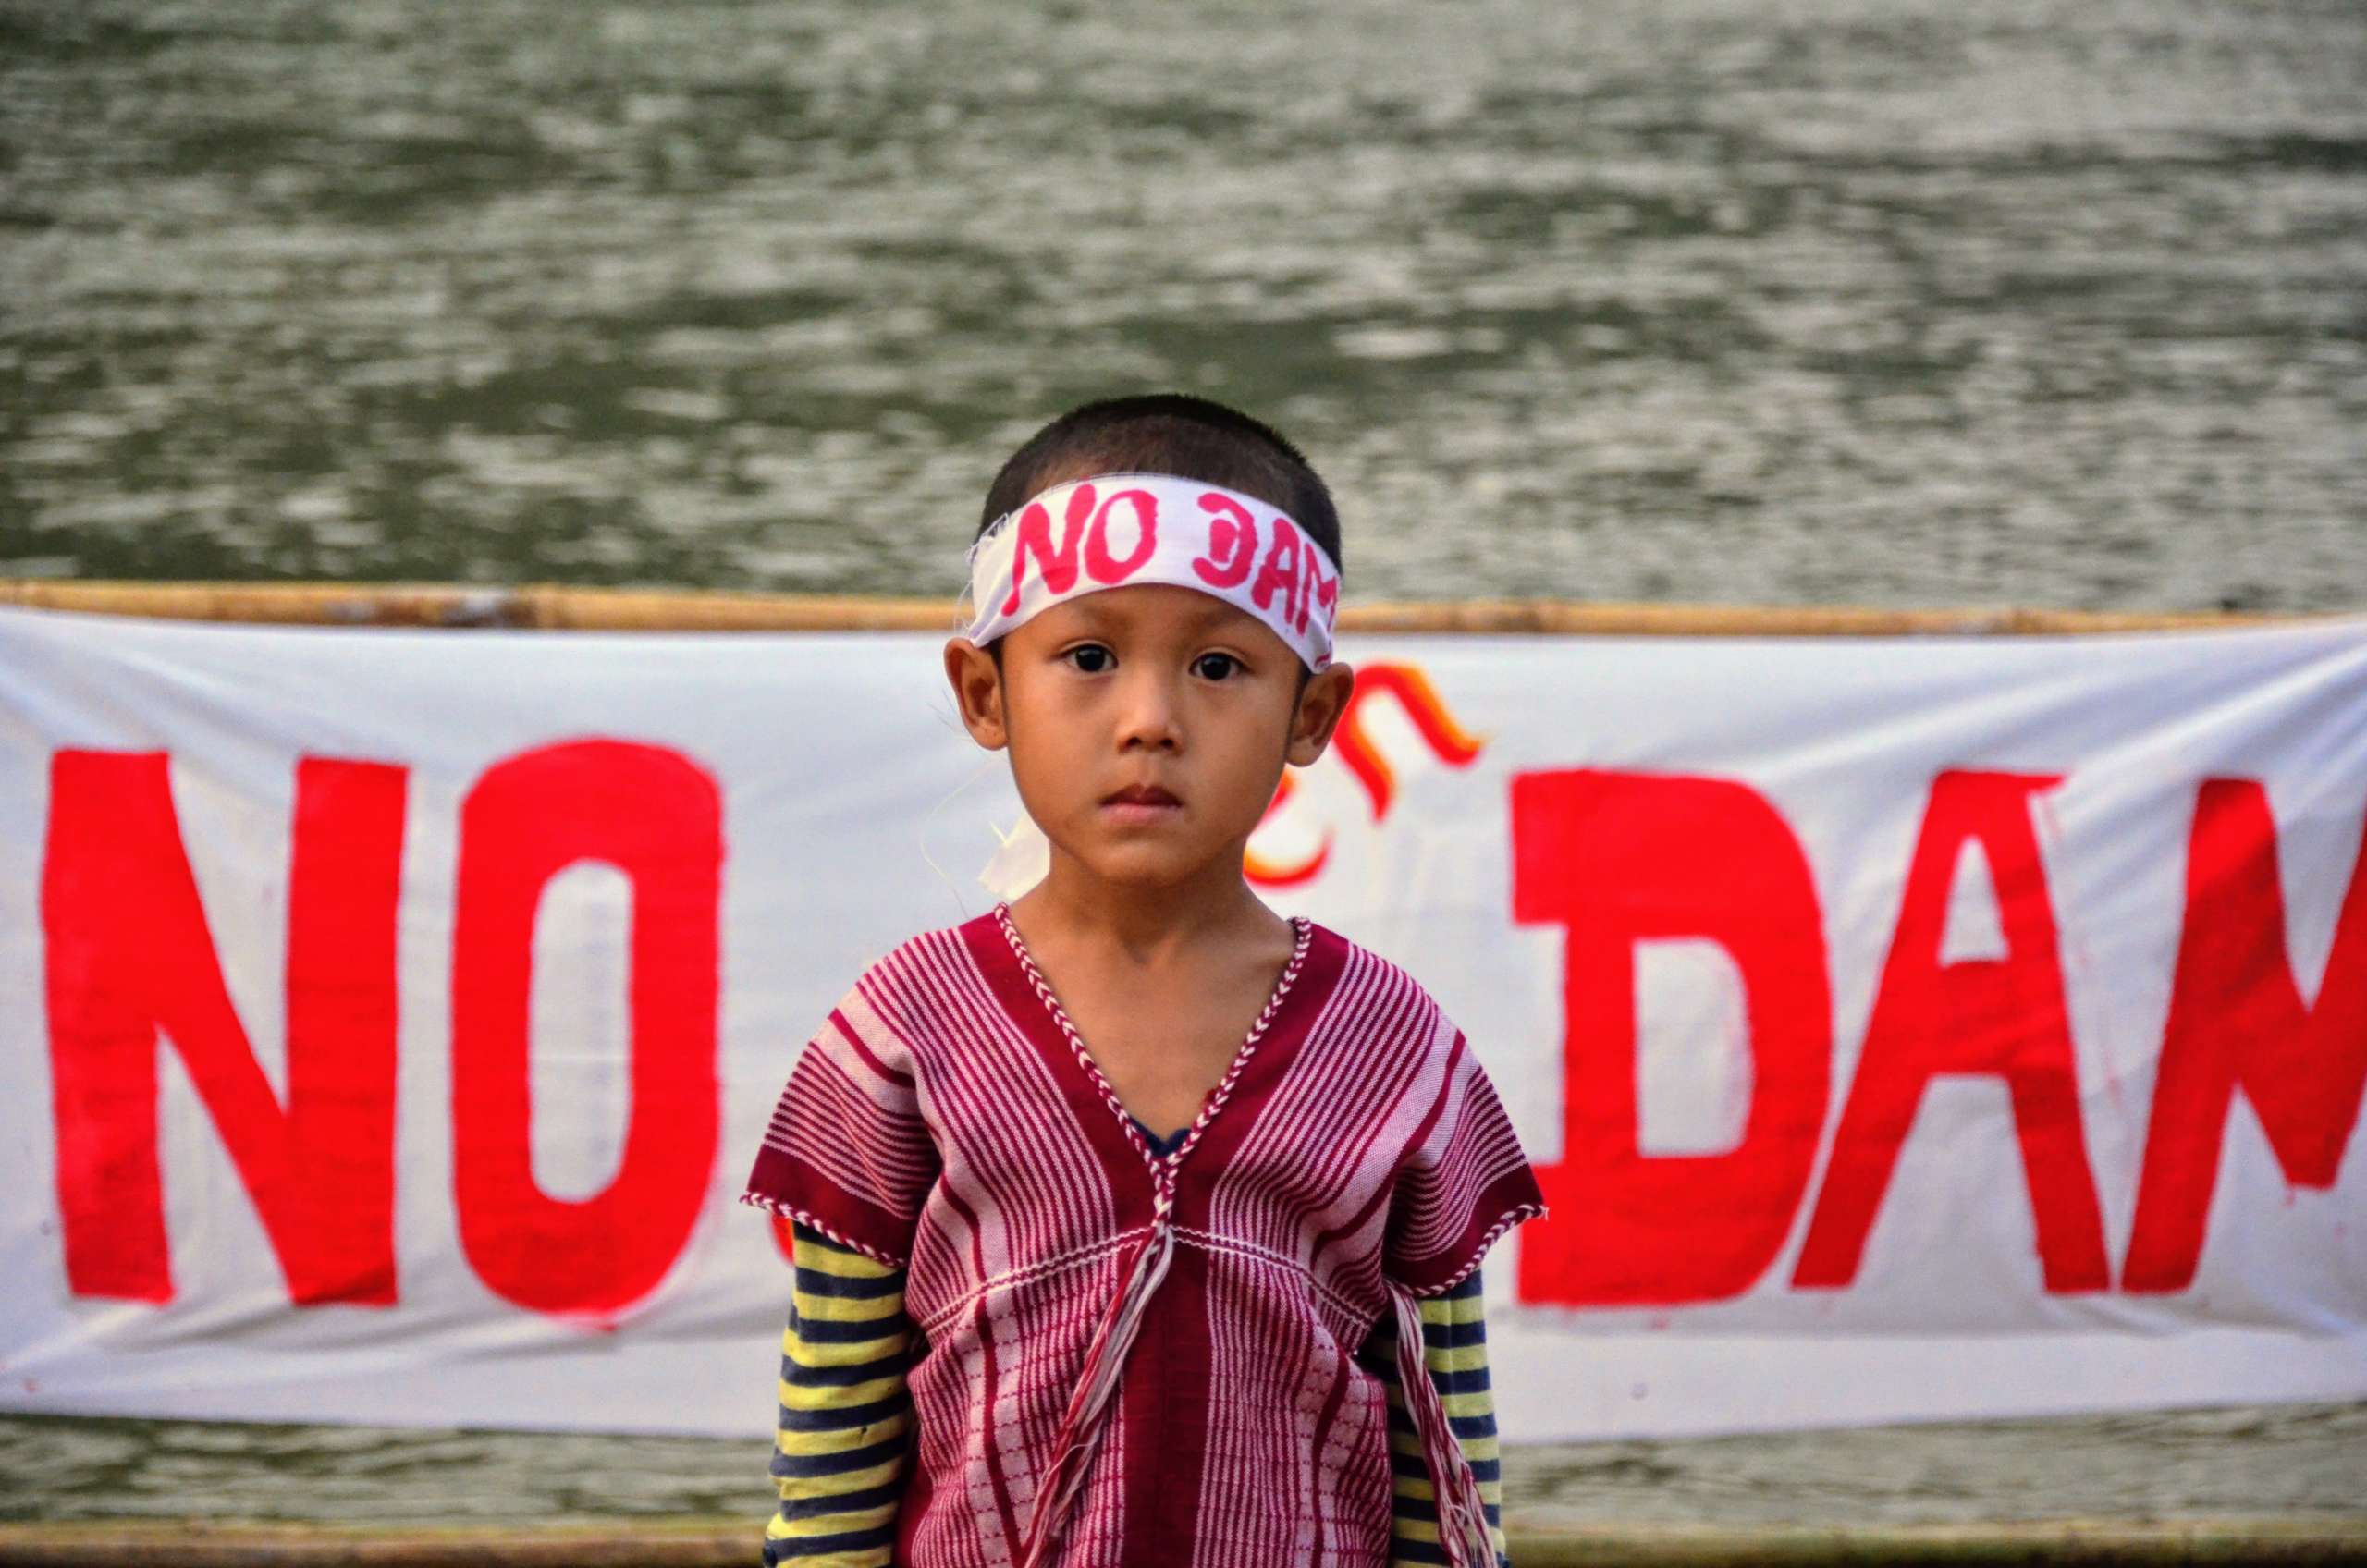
1902,1028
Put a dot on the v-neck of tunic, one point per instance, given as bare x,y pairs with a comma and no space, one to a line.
1147,1264
1162,1155
1161,1146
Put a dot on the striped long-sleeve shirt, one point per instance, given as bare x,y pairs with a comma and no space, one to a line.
840,1452
842,1447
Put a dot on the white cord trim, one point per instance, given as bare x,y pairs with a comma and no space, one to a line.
814,1221
1512,1217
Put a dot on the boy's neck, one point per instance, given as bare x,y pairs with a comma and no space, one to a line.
1148,923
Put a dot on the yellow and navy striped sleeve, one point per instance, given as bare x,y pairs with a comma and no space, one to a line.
842,1453
1454,1349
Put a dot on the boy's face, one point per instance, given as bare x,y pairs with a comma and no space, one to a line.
1148,726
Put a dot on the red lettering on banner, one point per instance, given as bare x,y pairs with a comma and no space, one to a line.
1102,566
1056,567
657,817
128,954
2001,1017
1232,543
1421,705
1419,702
2237,1023
1280,572
1271,874
1613,858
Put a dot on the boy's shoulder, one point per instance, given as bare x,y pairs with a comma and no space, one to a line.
1382,986
915,993
931,948
1371,962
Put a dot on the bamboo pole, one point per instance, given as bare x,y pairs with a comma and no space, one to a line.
2123,1543
556,607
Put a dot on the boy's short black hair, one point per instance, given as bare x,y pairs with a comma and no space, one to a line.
1169,432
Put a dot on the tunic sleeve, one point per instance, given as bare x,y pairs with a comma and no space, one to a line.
1463,1180
847,1152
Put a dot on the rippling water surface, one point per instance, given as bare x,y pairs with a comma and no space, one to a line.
2056,302
1890,301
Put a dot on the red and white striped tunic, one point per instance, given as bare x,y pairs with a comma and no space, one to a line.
1131,1359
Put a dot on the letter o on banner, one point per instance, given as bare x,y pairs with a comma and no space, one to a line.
657,817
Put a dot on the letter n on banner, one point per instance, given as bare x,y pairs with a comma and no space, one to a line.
657,817
2237,1023
1615,858
130,956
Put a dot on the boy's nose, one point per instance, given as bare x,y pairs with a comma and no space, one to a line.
1146,720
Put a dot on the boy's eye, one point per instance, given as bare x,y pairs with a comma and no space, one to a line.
1090,657
1215,667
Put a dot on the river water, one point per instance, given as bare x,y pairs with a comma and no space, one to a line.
2056,302
2052,302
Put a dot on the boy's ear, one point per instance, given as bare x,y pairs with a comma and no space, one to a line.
977,692
1320,707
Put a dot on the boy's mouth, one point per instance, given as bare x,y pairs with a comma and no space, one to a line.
1141,797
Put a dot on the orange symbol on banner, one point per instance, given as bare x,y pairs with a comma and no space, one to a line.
1437,728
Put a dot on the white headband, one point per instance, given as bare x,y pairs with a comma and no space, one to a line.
1119,529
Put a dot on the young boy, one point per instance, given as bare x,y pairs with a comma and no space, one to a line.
1027,1328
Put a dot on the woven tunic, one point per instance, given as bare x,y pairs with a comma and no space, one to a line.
1133,1359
